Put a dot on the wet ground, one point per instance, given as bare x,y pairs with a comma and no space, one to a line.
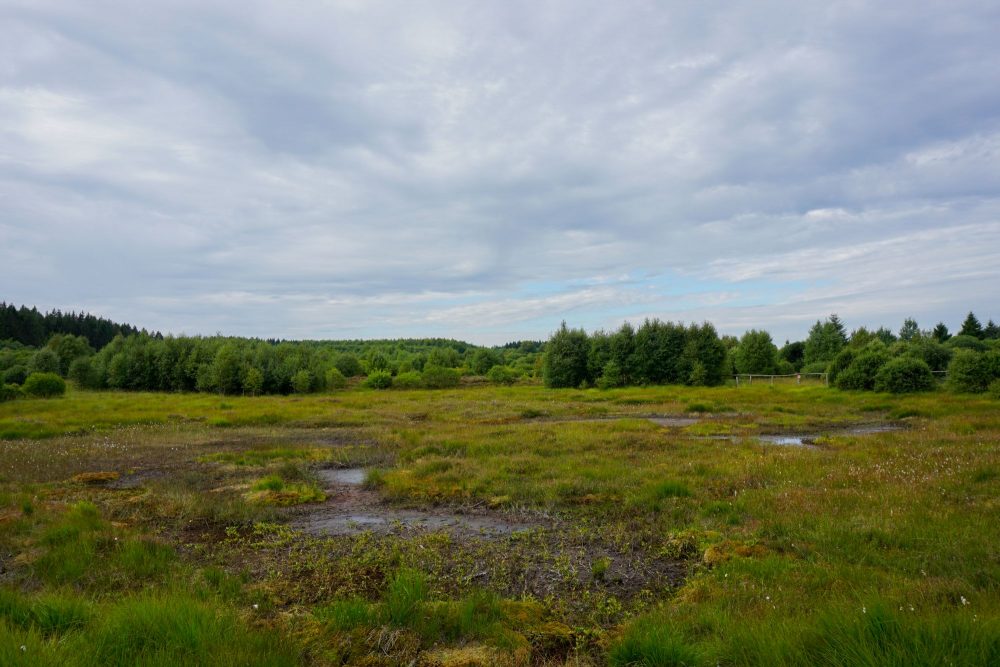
351,508
810,439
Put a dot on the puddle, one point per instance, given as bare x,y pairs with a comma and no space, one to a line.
349,476
788,440
678,422
353,509
387,520
807,440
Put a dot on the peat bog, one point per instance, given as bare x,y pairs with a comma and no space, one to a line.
502,526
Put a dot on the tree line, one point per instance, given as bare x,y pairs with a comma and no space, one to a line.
30,327
653,353
670,353
229,365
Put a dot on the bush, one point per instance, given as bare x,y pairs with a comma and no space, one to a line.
408,380
994,389
253,381
44,385
335,379
44,361
379,380
81,371
348,365
8,392
934,353
815,367
611,376
962,342
302,382
439,377
968,372
903,375
841,363
16,374
502,375
861,372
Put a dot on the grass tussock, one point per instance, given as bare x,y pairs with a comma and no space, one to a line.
274,490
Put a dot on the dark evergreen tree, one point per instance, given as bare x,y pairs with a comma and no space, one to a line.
991,331
971,327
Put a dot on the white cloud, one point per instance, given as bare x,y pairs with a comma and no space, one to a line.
384,169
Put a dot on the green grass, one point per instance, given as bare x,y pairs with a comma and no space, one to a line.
867,549
274,490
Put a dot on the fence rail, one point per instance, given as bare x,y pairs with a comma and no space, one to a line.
748,378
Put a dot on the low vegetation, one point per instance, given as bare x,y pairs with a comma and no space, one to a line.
166,528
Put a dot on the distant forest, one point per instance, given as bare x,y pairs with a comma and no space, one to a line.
96,353
29,327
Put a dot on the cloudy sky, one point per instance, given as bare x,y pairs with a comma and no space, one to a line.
483,170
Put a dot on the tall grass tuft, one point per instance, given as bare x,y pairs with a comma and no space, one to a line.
651,642
407,592
176,630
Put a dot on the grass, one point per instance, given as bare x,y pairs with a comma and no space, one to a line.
170,629
274,490
658,544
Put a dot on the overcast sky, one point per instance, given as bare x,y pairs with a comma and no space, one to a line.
484,170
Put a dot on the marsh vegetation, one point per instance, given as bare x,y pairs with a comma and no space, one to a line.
501,525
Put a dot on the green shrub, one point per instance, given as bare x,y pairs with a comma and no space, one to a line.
934,353
44,361
302,382
81,371
348,365
994,389
253,381
379,380
841,363
611,376
44,385
16,374
963,342
439,377
968,372
335,379
8,392
502,375
815,367
408,380
903,375
864,367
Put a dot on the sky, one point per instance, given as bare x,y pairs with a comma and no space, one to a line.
486,170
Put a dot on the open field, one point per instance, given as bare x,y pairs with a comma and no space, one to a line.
650,526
